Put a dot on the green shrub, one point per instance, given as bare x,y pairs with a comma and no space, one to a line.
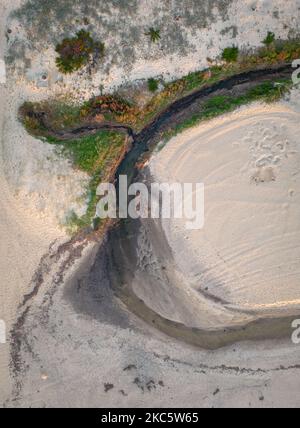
269,39
230,54
107,105
153,85
75,52
154,34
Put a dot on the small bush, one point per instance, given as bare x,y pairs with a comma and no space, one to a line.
269,39
75,53
230,54
153,85
154,34
105,104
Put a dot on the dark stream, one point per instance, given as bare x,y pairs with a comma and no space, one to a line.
121,245
121,242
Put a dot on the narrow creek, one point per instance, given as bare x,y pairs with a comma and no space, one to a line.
121,243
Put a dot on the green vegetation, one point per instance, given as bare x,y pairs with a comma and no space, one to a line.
60,115
153,85
114,108
74,53
91,153
154,34
280,51
230,54
268,92
269,39
109,106
98,155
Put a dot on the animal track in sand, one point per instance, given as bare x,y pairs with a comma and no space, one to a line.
268,147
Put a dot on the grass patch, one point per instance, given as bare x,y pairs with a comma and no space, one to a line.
98,155
270,38
153,85
91,153
278,52
230,54
218,105
60,115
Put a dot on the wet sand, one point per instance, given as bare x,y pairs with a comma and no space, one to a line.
141,290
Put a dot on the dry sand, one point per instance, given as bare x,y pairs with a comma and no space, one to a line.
25,235
192,33
247,254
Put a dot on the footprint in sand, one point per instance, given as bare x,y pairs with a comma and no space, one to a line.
264,161
264,175
281,146
277,161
